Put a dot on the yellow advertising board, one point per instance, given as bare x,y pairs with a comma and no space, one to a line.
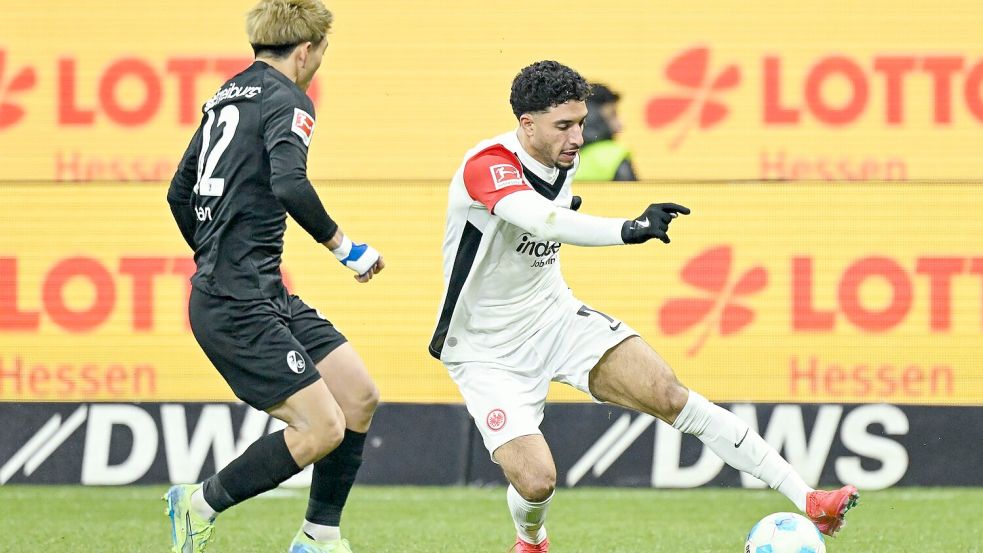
832,90
768,292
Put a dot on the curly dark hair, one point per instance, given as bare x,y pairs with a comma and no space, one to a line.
546,84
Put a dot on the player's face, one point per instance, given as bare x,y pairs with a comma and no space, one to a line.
557,134
309,64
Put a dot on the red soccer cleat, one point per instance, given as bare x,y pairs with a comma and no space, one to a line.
523,547
827,509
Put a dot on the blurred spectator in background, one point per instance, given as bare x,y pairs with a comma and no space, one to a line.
601,158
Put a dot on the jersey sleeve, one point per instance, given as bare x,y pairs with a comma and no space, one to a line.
492,174
288,176
288,117
179,193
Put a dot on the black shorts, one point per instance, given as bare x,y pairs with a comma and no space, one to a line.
266,349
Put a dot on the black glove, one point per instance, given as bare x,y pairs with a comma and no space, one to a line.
575,203
653,223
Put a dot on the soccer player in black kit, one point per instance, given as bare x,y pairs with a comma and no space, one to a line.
244,171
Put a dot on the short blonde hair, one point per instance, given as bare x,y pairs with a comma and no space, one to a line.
281,23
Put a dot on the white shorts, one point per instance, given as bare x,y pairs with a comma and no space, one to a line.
506,396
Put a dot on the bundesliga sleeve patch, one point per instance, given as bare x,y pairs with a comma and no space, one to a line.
303,125
504,175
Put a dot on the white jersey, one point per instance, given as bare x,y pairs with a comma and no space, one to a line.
499,280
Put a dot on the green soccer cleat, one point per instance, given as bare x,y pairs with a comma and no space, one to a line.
304,544
189,532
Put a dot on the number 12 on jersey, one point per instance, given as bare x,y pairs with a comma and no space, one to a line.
228,120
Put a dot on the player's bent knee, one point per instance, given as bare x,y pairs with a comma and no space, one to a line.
321,442
676,398
536,487
360,408
370,401
324,435
669,400
331,436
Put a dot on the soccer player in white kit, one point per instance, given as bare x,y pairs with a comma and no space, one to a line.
508,323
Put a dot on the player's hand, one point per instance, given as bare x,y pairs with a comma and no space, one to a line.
375,269
361,258
653,223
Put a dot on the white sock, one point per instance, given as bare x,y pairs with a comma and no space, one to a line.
529,518
200,506
731,439
321,533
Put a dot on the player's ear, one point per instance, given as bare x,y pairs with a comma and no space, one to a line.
303,50
527,124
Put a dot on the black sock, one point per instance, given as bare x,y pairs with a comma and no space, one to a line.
333,478
263,466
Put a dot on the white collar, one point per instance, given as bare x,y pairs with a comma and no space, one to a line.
548,174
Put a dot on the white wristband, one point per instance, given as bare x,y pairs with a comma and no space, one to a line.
342,251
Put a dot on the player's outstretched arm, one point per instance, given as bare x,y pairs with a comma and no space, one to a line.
288,175
493,177
179,192
535,214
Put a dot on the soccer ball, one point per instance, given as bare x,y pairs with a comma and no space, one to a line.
785,533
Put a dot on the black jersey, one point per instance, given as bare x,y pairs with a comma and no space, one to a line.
225,189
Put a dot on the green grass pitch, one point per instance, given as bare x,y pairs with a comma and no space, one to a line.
465,520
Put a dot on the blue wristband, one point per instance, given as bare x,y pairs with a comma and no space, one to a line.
355,254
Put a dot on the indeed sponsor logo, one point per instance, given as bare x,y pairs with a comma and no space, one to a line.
545,249
528,246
